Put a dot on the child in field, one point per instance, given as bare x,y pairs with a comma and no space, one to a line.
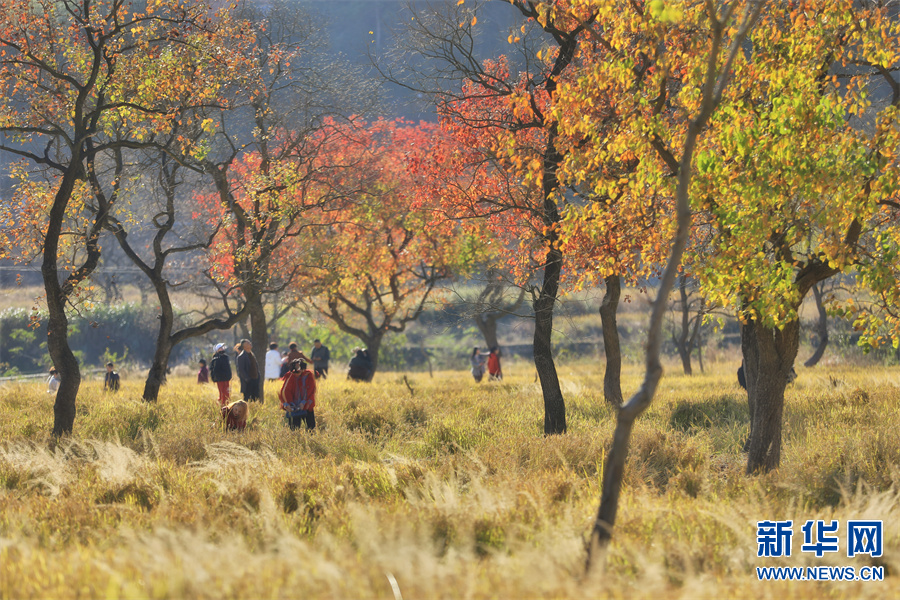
203,373
234,415
53,381
111,380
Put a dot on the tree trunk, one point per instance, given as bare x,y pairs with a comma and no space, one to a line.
821,329
487,325
373,345
156,377
258,335
612,378
58,325
554,405
769,355
681,341
63,359
700,351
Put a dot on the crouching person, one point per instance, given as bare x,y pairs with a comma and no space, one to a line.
235,415
298,395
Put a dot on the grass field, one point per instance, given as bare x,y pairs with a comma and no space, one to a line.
450,491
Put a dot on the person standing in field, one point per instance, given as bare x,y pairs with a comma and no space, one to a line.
248,371
298,396
294,353
320,357
111,379
203,373
220,371
477,361
493,365
273,362
53,381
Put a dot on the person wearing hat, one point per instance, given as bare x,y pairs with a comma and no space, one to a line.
220,372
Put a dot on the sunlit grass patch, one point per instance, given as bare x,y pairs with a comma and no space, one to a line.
452,489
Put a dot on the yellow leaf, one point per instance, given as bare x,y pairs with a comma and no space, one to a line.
460,2
474,20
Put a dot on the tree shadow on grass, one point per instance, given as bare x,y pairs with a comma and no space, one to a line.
719,412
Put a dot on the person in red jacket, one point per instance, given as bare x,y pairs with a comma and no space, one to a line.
493,365
298,396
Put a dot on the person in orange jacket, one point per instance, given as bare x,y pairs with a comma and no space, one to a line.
298,396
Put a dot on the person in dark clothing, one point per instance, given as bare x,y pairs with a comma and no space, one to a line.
220,373
360,367
248,371
477,361
320,357
203,373
111,380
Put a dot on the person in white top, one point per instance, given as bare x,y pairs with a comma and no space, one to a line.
273,362
53,381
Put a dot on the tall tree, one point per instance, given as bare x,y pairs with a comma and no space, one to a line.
264,159
171,241
715,40
495,303
506,117
386,246
79,78
799,181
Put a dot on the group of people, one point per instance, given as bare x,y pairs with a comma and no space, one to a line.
489,360
360,367
297,395
111,380
298,390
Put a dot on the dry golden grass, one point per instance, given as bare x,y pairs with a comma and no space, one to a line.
450,493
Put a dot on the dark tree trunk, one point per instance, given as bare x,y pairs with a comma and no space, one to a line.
258,335
683,340
612,378
58,324
487,325
554,405
156,377
491,307
544,303
373,345
821,329
700,351
769,355
65,362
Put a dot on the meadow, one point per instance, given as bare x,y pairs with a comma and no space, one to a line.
439,489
